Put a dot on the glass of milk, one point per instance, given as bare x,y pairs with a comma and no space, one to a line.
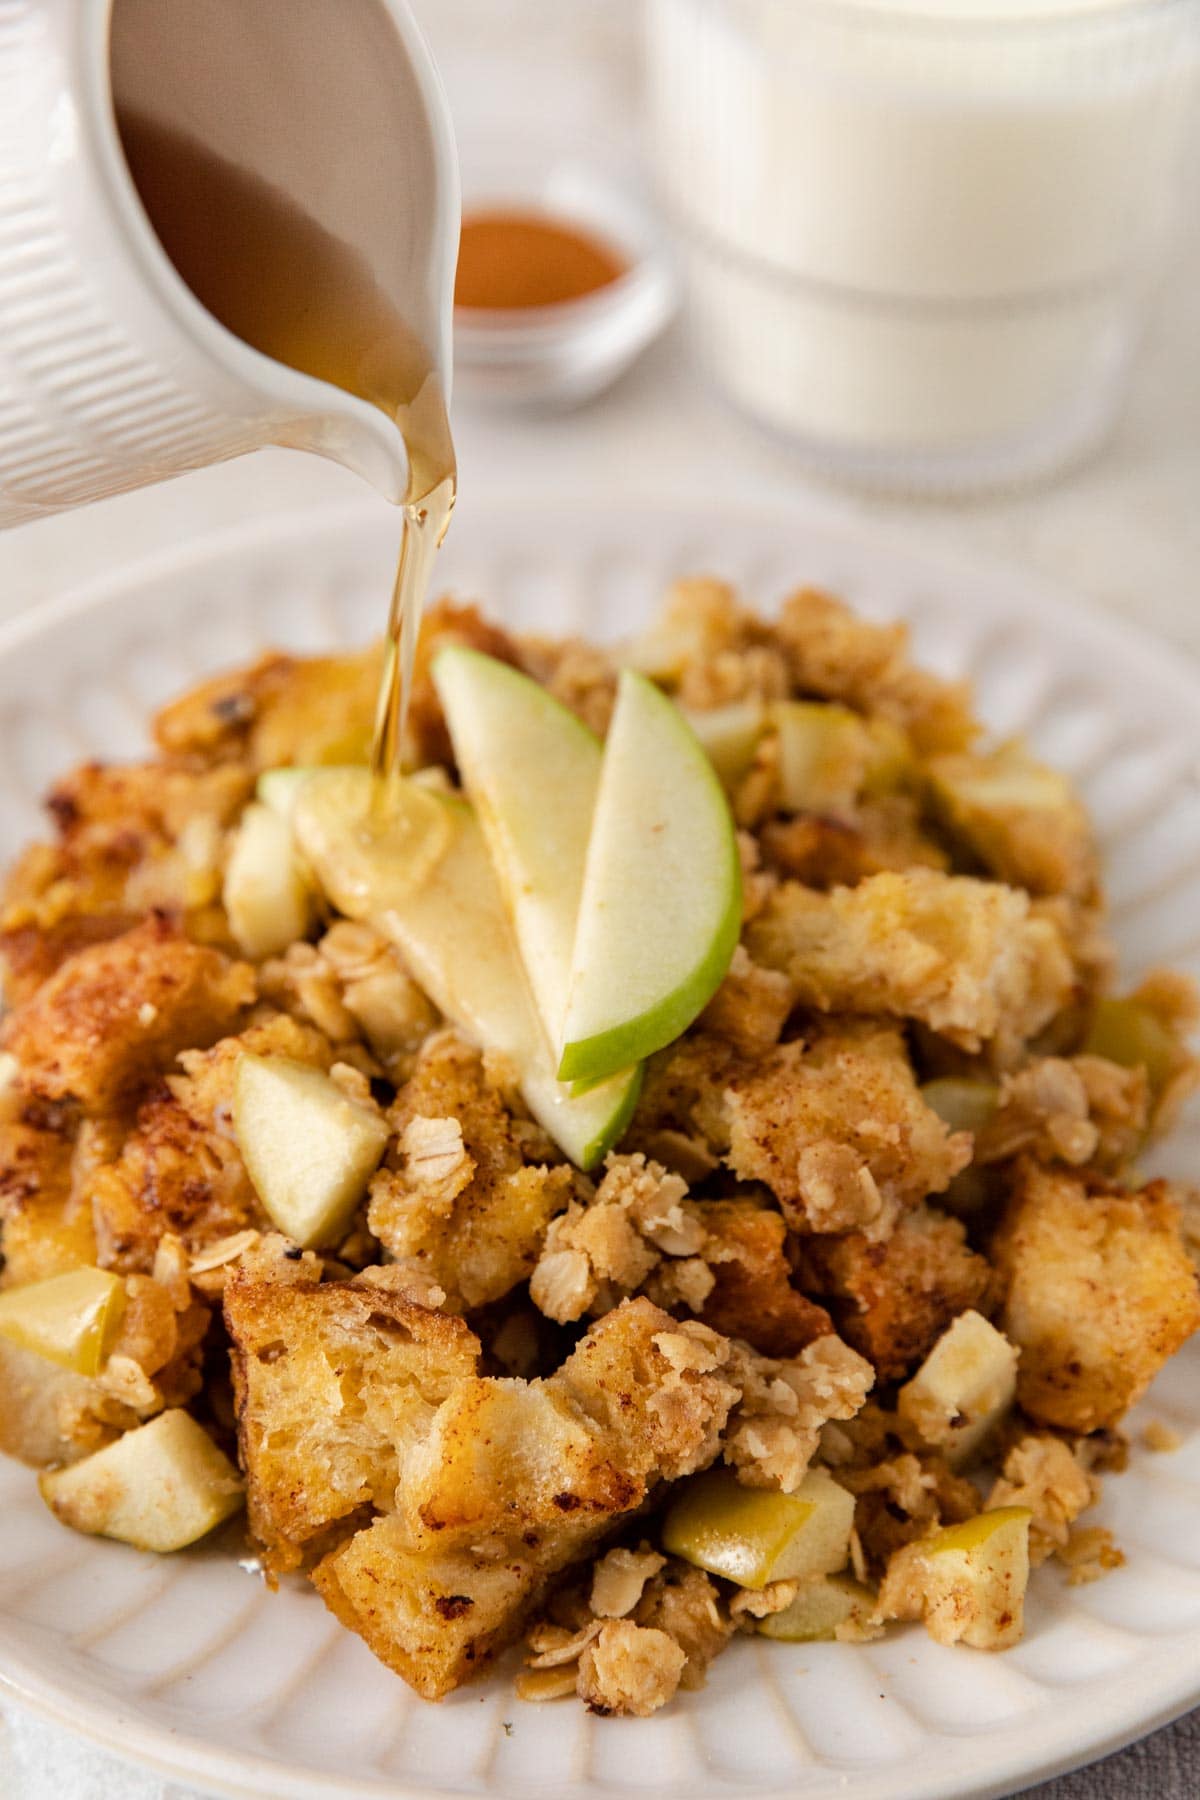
921,234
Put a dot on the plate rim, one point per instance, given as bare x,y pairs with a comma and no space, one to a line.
244,1773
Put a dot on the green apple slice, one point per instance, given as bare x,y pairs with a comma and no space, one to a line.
267,896
661,907
309,1148
823,1603
455,935
758,1535
160,1487
730,735
279,788
532,771
71,1319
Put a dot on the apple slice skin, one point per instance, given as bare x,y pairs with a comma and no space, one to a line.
593,1055
531,770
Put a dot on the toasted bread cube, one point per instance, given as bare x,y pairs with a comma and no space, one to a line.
333,1385
970,959
118,1013
837,1128
434,1616
159,1487
753,1295
963,1389
514,1480
639,1400
894,1297
1100,1291
966,1581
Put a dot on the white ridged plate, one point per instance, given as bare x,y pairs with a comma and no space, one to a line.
188,1663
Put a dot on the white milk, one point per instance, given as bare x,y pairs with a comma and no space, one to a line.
919,236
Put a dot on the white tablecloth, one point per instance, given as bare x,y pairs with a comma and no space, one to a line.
1125,532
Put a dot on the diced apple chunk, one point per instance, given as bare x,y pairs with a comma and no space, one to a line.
818,1609
159,1487
309,1147
756,1535
279,789
267,895
963,1389
963,1105
730,735
824,753
967,1582
71,1319
10,1087
1129,1033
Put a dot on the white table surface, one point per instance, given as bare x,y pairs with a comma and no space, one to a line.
1124,531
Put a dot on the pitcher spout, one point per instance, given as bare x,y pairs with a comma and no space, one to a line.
117,368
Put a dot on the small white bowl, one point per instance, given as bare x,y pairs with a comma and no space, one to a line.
570,351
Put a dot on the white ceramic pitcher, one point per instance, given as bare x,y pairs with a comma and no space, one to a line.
112,375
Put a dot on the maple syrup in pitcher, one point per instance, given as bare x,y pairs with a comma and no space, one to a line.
286,286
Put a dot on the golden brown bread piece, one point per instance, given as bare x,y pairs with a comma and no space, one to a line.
838,1130
436,1617
838,656
892,1299
708,649
883,833
1099,1292
751,1006
471,1191
45,1230
967,958
488,1515
582,675
115,1015
29,954
334,1385
753,1295
640,1400
282,709
130,840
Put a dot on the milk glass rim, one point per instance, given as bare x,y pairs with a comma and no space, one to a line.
1102,21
